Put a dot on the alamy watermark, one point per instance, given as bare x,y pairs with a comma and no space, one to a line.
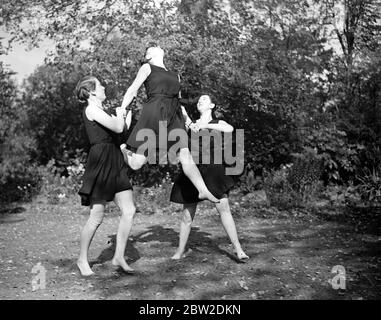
206,147
39,280
339,280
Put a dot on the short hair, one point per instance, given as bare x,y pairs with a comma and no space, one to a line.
212,98
84,87
150,44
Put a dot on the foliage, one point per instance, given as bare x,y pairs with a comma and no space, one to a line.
340,158
296,184
293,75
369,187
306,170
155,198
17,173
22,186
55,186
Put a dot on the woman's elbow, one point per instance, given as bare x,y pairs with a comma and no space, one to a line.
229,128
119,129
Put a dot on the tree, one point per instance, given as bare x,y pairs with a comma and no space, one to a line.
16,143
270,63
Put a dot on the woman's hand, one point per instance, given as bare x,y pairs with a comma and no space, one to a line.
202,125
128,119
194,127
120,112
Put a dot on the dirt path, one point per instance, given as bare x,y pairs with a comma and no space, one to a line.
291,256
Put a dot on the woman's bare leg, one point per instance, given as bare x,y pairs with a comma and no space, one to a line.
228,222
87,234
191,171
125,202
189,211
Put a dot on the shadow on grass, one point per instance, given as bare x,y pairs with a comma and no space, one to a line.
107,254
198,240
7,215
283,255
12,210
364,219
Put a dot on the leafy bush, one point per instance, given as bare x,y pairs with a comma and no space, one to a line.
306,171
369,187
279,190
295,184
340,159
155,199
56,186
22,185
18,178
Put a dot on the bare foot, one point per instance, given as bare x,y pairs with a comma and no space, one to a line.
84,268
242,256
208,196
126,153
178,256
122,264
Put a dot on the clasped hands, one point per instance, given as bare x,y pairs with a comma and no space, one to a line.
197,126
122,111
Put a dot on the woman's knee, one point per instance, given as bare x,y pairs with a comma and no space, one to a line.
137,161
96,219
135,165
187,218
223,206
129,211
96,214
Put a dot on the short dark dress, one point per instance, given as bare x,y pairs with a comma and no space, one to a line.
162,104
216,180
105,173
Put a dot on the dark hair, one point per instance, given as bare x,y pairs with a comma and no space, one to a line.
84,87
211,97
213,100
149,45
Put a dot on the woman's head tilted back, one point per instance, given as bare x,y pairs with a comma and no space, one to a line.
89,87
153,50
205,102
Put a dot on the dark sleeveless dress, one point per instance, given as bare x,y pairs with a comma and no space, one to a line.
162,104
105,171
215,178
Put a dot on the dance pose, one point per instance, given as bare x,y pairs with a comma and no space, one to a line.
215,178
162,87
105,178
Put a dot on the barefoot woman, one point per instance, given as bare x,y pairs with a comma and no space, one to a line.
162,87
215,178
105,178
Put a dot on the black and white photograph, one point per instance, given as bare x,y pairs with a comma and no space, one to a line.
190,156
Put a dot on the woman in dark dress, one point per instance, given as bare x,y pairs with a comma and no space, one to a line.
215,178
105,178
163,104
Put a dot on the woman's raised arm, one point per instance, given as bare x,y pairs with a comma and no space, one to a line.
115,124
132,91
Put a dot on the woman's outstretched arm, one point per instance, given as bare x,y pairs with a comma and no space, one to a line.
220,126
115,124
132,91
188,120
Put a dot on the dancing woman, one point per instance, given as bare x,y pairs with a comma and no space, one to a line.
162,87
215,178
105,178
